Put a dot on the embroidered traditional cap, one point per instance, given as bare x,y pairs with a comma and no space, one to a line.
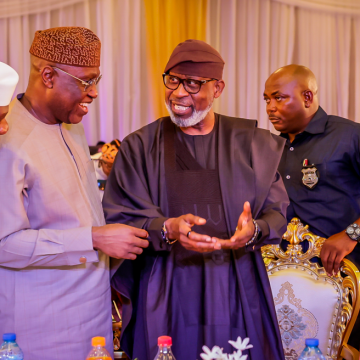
8,81
75,46
197,58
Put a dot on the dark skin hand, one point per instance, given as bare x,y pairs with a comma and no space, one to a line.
120,241
179,227
335,248
245,231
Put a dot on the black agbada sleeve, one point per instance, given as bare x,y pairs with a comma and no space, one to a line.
134,188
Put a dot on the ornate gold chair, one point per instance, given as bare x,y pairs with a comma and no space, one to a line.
116,326
308,302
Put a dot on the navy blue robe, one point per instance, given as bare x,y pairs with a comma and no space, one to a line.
153,303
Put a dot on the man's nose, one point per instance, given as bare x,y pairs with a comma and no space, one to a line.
271,107
92,92
180,92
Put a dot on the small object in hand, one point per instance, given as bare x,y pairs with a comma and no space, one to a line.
188,233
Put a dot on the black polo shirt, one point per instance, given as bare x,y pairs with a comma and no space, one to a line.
332,144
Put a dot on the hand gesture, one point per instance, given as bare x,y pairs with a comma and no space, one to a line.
245,231
335,248
180,229
120,241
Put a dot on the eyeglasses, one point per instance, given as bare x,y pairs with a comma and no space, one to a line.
86,84
190,85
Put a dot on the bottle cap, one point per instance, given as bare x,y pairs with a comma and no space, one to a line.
9,337
164,341
98,341
312,342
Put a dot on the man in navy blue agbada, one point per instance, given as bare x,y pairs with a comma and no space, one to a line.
186,179
320,165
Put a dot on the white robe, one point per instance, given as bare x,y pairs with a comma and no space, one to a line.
48,203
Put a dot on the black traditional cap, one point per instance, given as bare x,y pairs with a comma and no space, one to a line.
197,58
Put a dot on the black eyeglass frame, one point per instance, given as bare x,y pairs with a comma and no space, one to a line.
182,81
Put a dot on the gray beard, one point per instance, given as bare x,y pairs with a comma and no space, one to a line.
193,120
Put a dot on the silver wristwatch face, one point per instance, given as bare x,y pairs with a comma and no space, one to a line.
350,230
353,231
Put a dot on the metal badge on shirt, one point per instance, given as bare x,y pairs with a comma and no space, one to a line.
310,175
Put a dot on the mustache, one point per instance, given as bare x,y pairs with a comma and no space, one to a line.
194,119
180,103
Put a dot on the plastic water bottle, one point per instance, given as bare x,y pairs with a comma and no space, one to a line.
98,352
9,349
311,351
164,352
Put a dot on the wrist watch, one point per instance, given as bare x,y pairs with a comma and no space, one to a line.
353,231
164,235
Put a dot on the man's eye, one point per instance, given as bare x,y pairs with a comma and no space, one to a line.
191,82
173,80
278,98
267,100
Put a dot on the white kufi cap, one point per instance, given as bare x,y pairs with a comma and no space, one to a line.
8,81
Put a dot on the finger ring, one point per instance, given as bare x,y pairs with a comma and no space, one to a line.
188,233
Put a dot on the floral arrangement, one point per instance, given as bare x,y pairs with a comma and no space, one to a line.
216,353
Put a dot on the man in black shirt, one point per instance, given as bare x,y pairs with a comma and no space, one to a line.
320,164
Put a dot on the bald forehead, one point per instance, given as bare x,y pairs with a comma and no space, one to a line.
281,79
295,70
296,74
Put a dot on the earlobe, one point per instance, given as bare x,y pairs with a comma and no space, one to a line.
308,98
47,77
219,87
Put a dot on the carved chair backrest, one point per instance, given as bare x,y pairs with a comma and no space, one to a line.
308,302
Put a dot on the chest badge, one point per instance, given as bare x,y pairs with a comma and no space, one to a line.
310,175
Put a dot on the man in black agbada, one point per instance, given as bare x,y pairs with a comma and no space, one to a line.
186,179
320,166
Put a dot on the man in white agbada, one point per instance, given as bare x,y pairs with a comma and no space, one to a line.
54,244
8,81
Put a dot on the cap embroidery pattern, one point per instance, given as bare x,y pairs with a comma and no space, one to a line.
75,46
